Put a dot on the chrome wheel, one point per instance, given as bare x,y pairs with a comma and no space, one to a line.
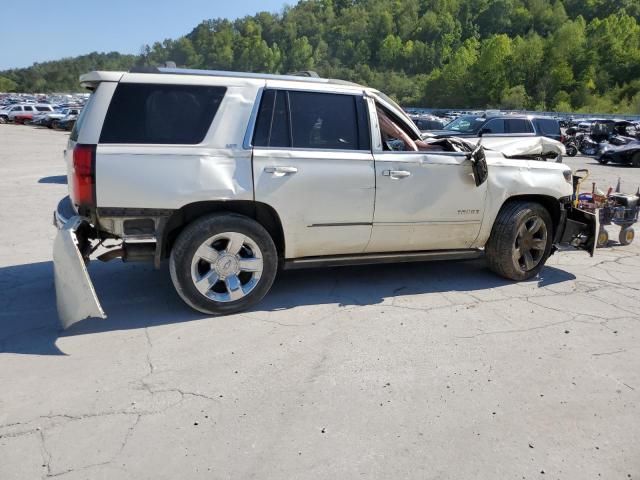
530,244
226,267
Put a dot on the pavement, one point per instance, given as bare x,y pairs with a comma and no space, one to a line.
420,371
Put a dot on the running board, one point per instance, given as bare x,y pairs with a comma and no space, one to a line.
373,258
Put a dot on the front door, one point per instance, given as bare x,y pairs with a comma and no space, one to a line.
424,200
312,163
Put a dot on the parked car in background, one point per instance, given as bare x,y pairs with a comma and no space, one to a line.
502,132
627,154
427,122
25,112
49,119
501,125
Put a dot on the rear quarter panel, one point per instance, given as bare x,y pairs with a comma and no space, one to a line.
171,176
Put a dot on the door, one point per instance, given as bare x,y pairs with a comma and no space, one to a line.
424,200
313,165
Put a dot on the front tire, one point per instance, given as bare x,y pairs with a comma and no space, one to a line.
635,160
223,263
520,241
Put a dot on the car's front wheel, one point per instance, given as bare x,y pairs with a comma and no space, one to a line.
520,241
223,263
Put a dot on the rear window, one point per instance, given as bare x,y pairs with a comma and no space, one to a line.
161,114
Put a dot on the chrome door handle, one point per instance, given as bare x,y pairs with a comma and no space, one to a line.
281,170
396,174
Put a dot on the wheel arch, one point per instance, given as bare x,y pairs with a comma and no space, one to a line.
551,204
262,213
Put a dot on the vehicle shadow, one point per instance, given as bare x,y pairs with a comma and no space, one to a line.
135,296
58,179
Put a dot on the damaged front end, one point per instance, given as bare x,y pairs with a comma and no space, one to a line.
75,296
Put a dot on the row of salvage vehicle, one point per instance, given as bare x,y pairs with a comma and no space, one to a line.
62,117
616,141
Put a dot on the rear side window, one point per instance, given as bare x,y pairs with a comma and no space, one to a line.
547,126
162,114
494,126
311,120
43,109
518,125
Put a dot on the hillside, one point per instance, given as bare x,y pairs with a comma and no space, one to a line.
540,54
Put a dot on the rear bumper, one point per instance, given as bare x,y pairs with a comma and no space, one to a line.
76,298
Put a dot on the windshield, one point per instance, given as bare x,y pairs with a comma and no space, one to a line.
466,124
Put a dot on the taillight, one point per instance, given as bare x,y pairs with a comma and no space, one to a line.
83,181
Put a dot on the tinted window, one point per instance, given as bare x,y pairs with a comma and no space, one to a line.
311,120
518,125
272,124
43,109
323,120
548,126
494,126
28,109
165,114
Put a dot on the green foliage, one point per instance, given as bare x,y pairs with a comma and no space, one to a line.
563,54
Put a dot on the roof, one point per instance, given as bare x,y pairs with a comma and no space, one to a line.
104,76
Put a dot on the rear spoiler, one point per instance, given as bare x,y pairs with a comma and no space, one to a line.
92,79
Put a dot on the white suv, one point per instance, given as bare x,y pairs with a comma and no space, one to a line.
232,176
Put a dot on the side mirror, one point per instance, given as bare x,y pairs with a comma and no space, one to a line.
479,164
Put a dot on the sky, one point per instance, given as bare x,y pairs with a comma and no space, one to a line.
41,30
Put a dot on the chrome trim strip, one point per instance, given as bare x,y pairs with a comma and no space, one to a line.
248,135
373,258
352,224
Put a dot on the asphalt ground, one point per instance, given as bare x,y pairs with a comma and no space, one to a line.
419,371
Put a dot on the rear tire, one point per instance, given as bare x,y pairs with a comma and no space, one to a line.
520,241
223,263
635,160
572,151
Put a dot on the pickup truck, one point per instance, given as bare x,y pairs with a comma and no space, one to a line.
232,177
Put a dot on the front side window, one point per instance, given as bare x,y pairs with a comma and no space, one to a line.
160,114
466,124
311,120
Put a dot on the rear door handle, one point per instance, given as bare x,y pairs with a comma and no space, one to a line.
282,170
396,174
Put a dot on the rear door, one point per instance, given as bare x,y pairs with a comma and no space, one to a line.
312,163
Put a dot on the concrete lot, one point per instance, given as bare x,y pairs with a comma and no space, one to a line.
424,371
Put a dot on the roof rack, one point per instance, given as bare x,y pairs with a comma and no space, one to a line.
303,76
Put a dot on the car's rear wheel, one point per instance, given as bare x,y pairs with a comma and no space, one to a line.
520,241
223,263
